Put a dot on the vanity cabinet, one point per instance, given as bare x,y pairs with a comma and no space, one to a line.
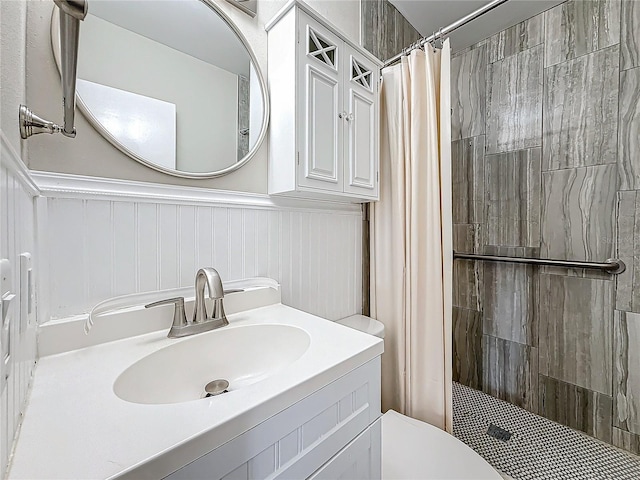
324,109
333,433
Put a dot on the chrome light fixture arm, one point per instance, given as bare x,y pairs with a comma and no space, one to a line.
71,12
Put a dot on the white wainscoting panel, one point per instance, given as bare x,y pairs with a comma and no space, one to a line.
105,241
17,236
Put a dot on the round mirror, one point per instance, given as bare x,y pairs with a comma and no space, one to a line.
171,83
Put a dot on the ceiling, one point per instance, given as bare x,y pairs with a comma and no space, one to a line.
428,16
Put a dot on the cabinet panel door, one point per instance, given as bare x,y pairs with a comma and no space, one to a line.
321,127
360,460
361,150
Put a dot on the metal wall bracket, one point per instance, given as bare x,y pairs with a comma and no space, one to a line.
32,124
71,12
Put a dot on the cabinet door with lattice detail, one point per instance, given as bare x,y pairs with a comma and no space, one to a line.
320,112
360,146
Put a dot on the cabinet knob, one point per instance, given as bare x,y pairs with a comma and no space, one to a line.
348,117
342,115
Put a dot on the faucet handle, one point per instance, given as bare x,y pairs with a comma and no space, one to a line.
179,316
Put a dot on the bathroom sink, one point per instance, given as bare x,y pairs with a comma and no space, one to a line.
241,355
132,407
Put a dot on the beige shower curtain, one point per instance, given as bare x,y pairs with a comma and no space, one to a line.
411,239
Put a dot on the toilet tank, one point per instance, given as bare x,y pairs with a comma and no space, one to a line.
364,324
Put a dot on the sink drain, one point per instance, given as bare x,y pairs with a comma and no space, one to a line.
216,387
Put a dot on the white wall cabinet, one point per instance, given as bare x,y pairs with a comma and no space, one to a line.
324,114
333,433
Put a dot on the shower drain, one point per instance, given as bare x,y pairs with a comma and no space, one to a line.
499,433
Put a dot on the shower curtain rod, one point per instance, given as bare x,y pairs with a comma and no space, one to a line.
446,30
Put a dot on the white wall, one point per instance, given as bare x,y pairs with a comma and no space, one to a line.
16,220
12,59
103,244
90,154
149,242
206,102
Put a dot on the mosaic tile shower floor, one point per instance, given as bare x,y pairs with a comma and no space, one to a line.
538,448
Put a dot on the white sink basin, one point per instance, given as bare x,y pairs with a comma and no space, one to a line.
100,435
241,355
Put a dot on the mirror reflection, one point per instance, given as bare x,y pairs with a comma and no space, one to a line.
170,83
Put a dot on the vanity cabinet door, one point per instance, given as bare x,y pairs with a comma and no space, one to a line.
320,112
360,460
360,152
332,433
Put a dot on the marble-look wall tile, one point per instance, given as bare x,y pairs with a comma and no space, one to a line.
626,382
514,102
626,441
369,20
512,198
243,116
385,31
629,126
467,284
516,39
576,330
405,33
510,304
468,90
467,238
369,25
579,27
576,272
578,213
628,244
530,252
389,41
510,372
581,111
467,170
576,407
467,347
481,43
630,35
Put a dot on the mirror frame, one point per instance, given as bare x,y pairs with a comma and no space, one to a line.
55,45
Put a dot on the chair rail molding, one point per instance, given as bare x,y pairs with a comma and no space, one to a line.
62,185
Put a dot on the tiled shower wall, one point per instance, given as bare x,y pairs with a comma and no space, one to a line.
384,30
546,163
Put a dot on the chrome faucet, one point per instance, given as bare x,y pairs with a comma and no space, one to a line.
202,322
210,278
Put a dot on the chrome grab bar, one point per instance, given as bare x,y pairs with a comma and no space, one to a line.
613,266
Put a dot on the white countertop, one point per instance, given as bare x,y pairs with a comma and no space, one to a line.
76,427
